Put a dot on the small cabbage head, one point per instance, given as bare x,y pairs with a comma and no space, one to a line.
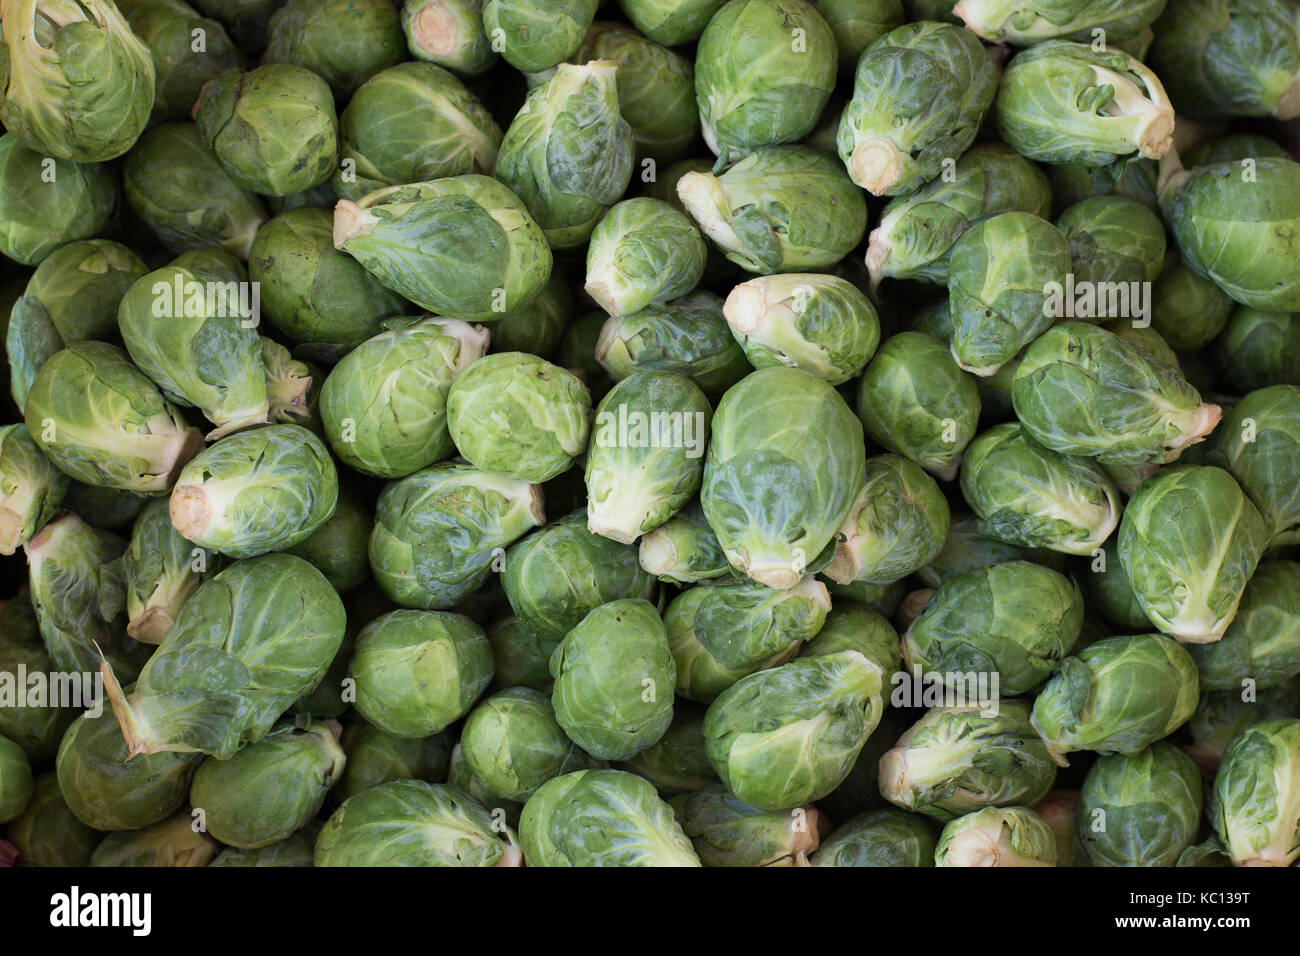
764,70
637,827
1113,239
919,96
43,208
344,41
684,549
780,209
80,83
678,761
449,33
1026,494
726,831
671,22
535,35
1026,22
1081,390
1260,444
1261,647
1255,803
886,837
1141,809
1189,541
997,836
374,757
418,671
820,323
463,247
173,842
161,570
47,834
1018,620
783,468
31,488
15,780
1258,349
414,823
956,760
643,252
1065,102
1118,695
789,735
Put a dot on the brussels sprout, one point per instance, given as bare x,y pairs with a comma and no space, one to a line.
643,252
1134,178
464,247
15,780
678,761
80,83
47,833
785,736
185,196
76,591
459,775
568,154
1258,349
857,24
1187,310
418,671
383,405
1018,620
1026,494
684,549
513,743
897,524
298,850
821,217
1255,804
30,488
337,548
43,208
917,231
646,455
520,657
1230,59
437,532
1064,102
915,401
967,549
1209,853
38,727
997,836
412,123
1113,239
1110,592
773,513
271,788
1234,147
345,41
726,831
1026,22
245,19
1189,541
671,22
538,327
246,645
191,333
614,677
312,293
998,280
519,415
161,570
72,296
374,757
1260,445
557,575
879,838
956,760
1236,229
636,827
1118,695
168,28
1060,811
689,336
764,71
257,491
1081,390
273,129
449,33
1222,715
1261,648
535,35
852,626
1141,809
414,823
108,791
920,93
819,323
721,633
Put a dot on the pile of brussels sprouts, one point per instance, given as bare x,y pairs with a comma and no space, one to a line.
650,432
